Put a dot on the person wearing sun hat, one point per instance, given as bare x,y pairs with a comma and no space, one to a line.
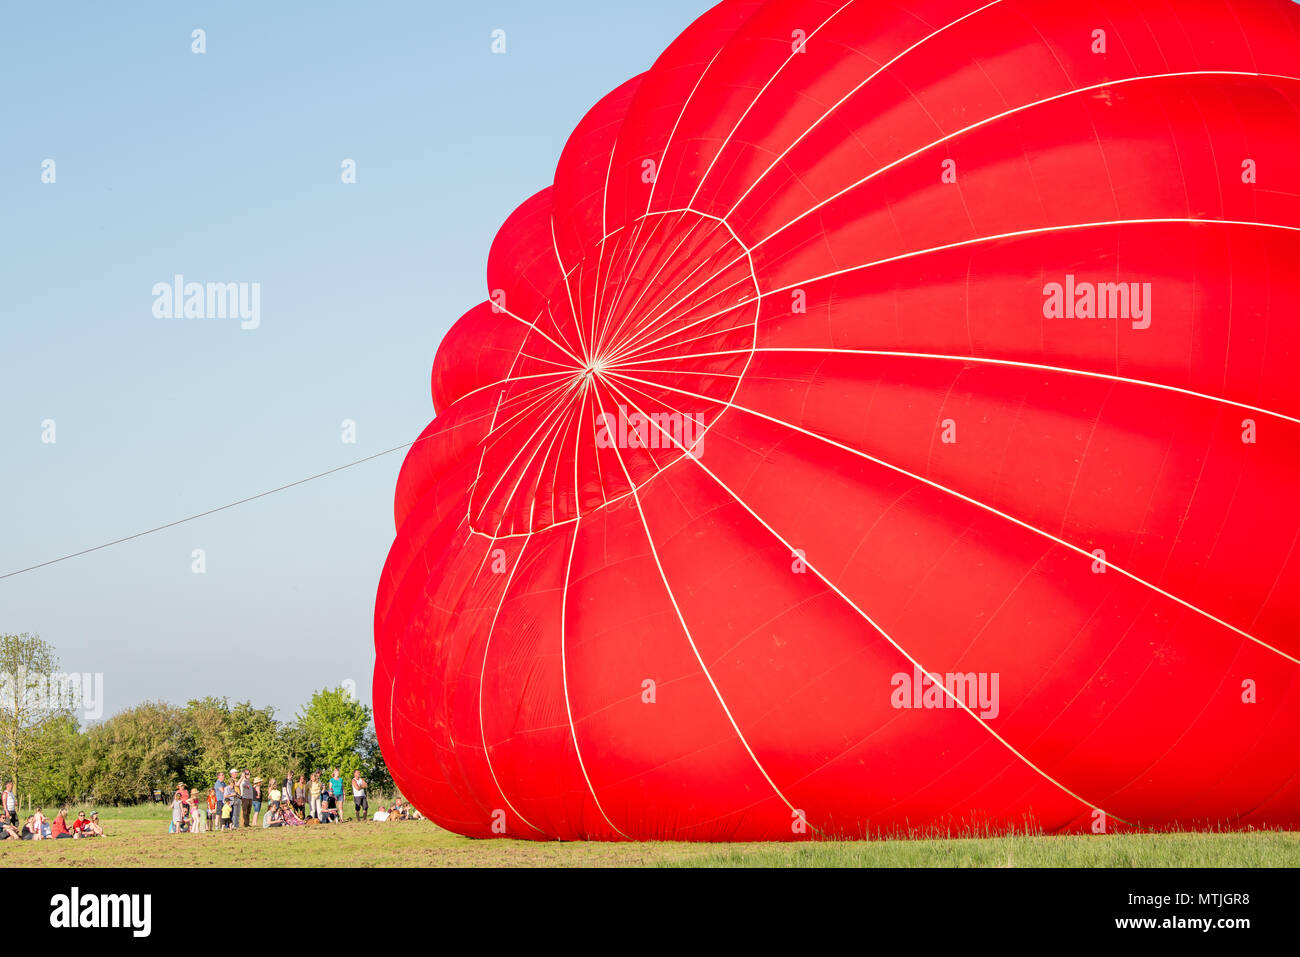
235,791
257,799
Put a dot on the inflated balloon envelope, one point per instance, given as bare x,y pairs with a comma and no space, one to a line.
887,420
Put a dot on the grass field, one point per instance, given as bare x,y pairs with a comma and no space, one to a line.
137,837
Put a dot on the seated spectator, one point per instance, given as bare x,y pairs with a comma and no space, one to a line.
79,825
8,832
381,815
59,827
94,828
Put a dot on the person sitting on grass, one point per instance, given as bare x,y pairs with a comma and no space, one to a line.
328,810
8,831
79,825
59,827
93,827
273,816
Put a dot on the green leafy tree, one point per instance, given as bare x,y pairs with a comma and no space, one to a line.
31,700
336,732
51,771
136,751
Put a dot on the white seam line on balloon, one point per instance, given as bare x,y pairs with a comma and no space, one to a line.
564,680
847,96
667,319
640,356
1005,113
852,604
573,310
683,307
555,445
469,501
794,52
983,122
761,176
657,322
600,248
564,372
505,470
486,442
577,439
482,727
655,182
966,498
956,358
650,325
727,141
630,314
523,470
507,311
1041,230
654,552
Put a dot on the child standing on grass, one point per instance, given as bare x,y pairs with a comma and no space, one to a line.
197,813
214,819
227,810
178,813
314,791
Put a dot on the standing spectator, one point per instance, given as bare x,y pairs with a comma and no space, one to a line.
245,797
359,803
228,815
336,790
238,800
313,792
219,788
11,804
178,813
198,813
214,810
300,795
257,799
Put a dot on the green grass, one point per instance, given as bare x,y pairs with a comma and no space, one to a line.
137,836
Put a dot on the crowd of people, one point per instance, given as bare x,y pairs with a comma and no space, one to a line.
245,800
242,801
38,827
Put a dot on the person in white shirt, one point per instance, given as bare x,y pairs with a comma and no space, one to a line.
359,803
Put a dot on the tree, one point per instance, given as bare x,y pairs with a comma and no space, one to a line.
135,751
336,732
31,698
51,771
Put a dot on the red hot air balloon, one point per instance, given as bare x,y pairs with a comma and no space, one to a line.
888,418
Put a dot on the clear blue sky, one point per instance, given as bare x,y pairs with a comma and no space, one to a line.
226,167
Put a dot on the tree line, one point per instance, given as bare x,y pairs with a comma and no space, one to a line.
125,758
